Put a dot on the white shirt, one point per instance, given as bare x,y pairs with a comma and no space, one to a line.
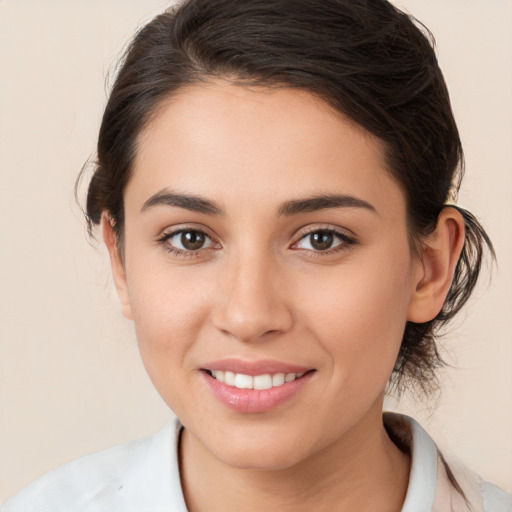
143,476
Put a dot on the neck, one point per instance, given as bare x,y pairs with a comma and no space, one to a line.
363,471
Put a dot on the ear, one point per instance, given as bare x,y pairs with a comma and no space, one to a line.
439,256
116,262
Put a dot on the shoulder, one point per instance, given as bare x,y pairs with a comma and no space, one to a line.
431,486
128,477
482,495
495,499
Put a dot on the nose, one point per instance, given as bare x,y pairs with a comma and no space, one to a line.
251,305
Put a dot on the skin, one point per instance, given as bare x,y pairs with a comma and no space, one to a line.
258,289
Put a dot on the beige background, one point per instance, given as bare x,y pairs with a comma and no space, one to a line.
70,378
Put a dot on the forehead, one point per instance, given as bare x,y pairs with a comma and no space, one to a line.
232,141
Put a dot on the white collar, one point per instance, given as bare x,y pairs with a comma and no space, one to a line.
423,475
144,475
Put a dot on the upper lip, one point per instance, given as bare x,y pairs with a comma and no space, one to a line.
253,368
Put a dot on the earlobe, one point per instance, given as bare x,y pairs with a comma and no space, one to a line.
117,265
439,256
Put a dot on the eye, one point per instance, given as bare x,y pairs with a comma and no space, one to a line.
188,240
322,240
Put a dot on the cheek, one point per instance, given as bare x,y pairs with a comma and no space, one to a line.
169,310
359,315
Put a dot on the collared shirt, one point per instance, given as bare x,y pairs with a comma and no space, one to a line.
143,476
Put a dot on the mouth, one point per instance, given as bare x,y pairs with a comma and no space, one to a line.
258,382
256,387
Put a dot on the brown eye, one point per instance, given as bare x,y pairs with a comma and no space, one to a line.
322,240
192,240
188,240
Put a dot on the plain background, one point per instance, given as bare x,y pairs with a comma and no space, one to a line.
70,377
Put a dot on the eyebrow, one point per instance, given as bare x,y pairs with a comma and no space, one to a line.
200,204
189,202
323,202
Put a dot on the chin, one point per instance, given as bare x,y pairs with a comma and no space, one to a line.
257,450
261,460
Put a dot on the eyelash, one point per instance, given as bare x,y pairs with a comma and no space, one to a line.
163,240
344,239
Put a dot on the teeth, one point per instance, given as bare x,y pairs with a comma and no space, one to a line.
278,379
229,377
265,381
244,381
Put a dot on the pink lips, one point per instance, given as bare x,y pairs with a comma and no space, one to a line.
254,400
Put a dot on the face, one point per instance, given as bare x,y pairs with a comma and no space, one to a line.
267,270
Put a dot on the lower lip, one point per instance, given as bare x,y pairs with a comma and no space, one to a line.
254,401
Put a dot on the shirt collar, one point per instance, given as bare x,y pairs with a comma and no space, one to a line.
423,476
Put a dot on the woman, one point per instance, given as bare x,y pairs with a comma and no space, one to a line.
274,187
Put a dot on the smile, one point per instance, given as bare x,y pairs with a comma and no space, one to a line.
259,382
255,387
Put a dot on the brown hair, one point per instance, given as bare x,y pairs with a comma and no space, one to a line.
365,58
